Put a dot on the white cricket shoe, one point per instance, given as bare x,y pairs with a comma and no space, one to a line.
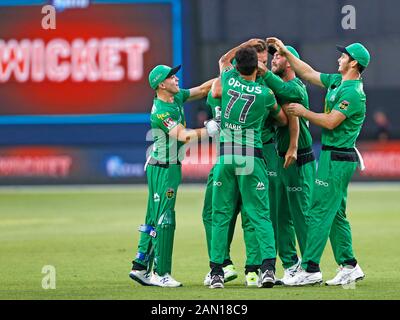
207,279
164,281
290,272
217,282
267,279
252,279
303,278
346,275
141,276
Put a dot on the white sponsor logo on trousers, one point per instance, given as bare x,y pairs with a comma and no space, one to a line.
294,189
321,183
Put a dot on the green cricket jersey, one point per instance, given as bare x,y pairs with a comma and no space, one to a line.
347,97
268,130
214,104
164,117
286,92
239,97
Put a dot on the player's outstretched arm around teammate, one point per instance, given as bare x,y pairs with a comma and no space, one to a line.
302,69
325,120
201,91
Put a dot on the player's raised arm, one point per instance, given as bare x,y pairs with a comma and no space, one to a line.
200,91
325,120
216,89
226,60
302,69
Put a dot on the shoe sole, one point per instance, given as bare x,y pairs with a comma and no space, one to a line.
230,278
163,286
220,286
305,285
267,284
335,285
140,281
279,283
251,284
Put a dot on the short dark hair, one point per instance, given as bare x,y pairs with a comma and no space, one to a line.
247,60
261,46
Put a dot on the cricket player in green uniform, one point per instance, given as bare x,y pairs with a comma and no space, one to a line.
229,269
253,260
252,251
163,170
344,114
296,165
240,170
268,137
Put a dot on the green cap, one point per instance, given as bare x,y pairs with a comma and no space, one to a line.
160,73
272,50
293,51
358,52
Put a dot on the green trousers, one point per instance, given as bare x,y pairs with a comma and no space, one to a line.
327,215
245,177
294,193
252,252
163,187
285,239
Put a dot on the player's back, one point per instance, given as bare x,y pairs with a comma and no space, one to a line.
245,104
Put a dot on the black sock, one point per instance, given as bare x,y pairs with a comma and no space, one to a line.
268,264
226,262
216,269
312,267
351,262
251,268
138,266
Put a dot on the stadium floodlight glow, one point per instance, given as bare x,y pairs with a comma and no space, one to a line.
60,5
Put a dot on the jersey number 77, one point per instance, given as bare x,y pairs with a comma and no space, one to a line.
235,96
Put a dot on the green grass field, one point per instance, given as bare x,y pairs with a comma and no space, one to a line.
90,236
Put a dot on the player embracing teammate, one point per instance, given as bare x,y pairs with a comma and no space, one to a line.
313,203
265,167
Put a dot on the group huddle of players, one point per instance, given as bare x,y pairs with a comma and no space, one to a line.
265,169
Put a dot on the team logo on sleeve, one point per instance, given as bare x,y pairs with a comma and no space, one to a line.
170,193
169,123
162,116
344,105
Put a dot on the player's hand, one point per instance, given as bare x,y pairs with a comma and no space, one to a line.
213,127
278,44
290,157
262,68
295,109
